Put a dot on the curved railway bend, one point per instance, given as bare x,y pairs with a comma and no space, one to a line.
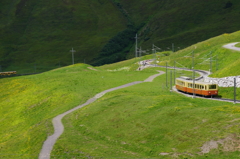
59,128
202,75
211,98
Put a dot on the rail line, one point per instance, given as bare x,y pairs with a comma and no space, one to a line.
202,73
210,98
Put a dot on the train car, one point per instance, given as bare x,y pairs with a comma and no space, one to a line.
187,85
8,73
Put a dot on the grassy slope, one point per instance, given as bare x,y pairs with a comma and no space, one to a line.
110,125
29,103
43,32
145,120
224,61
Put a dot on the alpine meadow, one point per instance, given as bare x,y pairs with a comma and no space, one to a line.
114,43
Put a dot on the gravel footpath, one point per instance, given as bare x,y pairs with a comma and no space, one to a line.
57,123
232,46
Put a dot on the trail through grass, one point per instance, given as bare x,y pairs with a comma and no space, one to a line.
145,120
29,103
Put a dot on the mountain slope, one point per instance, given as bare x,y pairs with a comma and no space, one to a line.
43,32
182,22
38,35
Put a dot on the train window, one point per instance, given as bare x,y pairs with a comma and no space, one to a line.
212,86
197,86
190,85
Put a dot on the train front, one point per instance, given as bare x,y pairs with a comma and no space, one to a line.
212,90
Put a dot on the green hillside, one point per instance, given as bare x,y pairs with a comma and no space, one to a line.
29,103
37,35
224,62
146,120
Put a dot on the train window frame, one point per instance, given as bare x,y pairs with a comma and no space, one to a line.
211,86
190,85
197,86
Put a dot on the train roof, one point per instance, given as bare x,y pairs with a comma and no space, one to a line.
196,82
185,77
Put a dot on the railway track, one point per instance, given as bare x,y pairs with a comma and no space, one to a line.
209,98
201,72
227,100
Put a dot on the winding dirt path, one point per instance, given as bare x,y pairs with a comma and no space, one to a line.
232,46
57,123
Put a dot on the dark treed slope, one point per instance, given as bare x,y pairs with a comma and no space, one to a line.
43,32
101,31
182,22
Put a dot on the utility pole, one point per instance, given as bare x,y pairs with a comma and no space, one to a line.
153,52
217,63
192,59
136,49
171,80
211,62
234,90
140,52
166,75
72,55
174,76
193,83
154,48
193,74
